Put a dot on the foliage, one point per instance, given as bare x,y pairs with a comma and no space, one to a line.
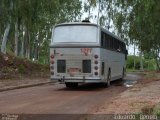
156,109
31,23
136,22
143,24
149,64
21,69
130,62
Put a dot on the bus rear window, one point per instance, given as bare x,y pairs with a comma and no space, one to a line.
75,34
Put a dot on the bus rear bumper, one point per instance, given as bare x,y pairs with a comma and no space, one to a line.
78,80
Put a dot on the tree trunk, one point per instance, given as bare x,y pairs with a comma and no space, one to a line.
16,39
141,61
28,45
134,57
5,38
37,48
157,61
0,38
22,43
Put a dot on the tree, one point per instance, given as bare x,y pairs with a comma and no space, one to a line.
26,25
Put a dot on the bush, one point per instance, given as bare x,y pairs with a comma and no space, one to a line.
148,64
21,69
130,62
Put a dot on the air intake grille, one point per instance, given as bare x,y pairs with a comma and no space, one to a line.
86,66
61,66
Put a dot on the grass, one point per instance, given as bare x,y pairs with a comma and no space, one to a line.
132,70
156,109
151,111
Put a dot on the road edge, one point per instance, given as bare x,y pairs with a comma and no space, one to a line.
25,86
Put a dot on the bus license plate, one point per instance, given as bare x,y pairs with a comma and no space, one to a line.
74,70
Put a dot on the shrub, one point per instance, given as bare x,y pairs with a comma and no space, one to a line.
21,68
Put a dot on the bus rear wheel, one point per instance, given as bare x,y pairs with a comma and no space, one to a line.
71,85
123,75
109,78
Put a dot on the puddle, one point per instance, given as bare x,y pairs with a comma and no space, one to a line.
129,83
130,80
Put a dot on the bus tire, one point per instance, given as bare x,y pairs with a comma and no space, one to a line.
71,85
123,74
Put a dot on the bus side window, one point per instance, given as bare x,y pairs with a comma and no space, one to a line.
102,40
117,45
119,49
124,48
112,43
107,42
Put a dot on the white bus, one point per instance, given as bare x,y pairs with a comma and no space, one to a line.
86,53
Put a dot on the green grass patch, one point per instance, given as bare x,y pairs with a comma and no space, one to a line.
156,109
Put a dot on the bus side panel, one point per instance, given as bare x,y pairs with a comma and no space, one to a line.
113,60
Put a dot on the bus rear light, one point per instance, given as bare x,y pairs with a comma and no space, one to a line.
96,73
96,68
95,56
52,62
52,73
52,68
95,62
52,56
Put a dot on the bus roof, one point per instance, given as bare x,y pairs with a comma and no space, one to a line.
77,23
91,24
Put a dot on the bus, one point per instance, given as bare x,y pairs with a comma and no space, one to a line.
86,53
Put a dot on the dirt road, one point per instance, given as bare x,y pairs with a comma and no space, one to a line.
56,99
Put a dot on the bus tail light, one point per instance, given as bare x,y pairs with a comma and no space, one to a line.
52,68
96,73
95,56
95,62
52,73
52,56
52,62
96,68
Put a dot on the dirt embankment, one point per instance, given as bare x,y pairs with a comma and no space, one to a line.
14,67
144,97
